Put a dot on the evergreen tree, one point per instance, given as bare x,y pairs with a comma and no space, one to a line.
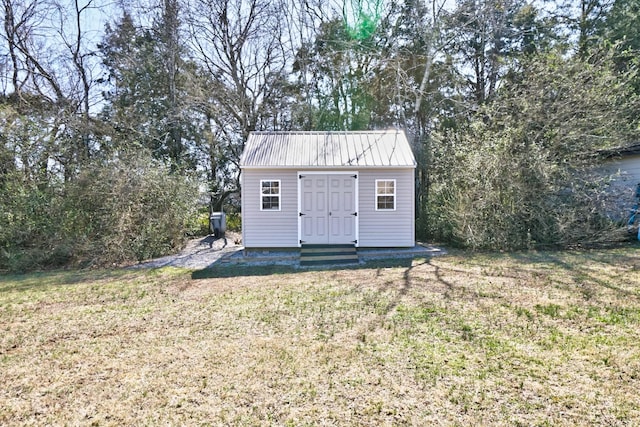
147,92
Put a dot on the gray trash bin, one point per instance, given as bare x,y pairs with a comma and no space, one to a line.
218,223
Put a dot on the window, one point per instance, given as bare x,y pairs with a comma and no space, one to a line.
270,195
385,194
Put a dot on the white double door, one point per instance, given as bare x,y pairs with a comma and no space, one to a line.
328,208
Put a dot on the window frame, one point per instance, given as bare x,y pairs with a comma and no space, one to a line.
378,195
278,195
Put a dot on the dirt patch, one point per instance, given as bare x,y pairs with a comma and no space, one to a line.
199,253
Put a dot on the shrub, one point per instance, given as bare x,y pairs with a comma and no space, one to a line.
123,210
523,173
234,221
199,224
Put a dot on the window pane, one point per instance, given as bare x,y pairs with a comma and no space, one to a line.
266,187
270,202
270,187
385,202
385,187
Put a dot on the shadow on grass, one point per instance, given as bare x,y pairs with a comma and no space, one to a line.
47,279
237,270
581,264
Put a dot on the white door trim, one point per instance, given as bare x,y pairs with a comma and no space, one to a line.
329,172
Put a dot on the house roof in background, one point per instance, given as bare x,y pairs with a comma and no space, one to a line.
388,148
629,150
632,149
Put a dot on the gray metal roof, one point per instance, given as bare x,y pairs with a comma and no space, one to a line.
388,148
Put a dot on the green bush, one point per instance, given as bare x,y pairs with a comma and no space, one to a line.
198,225
124,210
523,173
234,221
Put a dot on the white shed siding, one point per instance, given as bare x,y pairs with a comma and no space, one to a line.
269,229
275,229
387,228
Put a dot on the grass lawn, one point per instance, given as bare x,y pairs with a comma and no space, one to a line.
540,338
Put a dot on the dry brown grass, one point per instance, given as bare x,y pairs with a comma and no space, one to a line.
525,339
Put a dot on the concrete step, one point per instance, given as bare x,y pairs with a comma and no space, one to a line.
328,255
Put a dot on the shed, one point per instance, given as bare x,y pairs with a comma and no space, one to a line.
328,188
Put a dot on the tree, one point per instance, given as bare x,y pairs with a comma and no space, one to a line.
51,65
620,29
488,36
522,173
591,14
343,75
620,25
578,22
241,46
149,89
